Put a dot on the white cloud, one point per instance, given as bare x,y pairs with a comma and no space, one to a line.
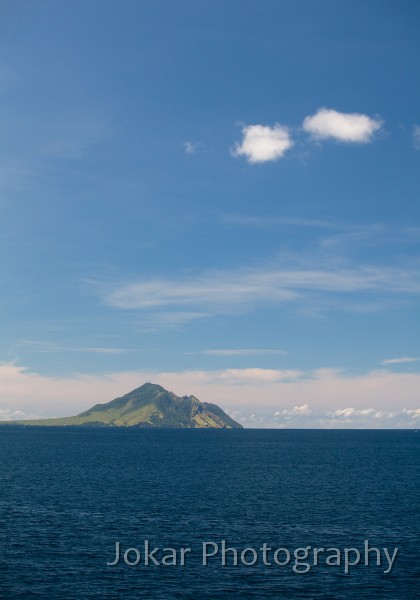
416,136
398,361
262,143
343,127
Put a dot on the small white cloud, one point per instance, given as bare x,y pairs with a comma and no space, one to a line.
398,361
7,414
302,410
350,413
262,143
192,147
296,411
343,127
413,413
416,136
344,412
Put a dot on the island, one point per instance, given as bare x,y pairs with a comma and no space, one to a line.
147,406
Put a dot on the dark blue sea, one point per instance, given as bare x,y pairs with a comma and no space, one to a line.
69,495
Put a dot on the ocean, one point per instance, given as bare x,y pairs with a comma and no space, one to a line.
239,512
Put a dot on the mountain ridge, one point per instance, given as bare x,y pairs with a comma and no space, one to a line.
148,406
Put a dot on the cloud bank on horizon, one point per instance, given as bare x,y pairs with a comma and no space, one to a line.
265,398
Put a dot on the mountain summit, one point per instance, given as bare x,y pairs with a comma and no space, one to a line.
148,406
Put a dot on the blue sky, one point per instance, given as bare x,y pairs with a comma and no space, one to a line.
219,196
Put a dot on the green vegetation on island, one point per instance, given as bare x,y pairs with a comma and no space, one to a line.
147,406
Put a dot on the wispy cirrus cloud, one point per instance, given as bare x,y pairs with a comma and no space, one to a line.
241,290
328,123
262,143
243,352
8,77
257,375
265,222
47,347
172,320
36,148
217,291
416,136
341,234
362,236
401,360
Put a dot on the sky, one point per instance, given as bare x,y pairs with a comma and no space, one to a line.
221,197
